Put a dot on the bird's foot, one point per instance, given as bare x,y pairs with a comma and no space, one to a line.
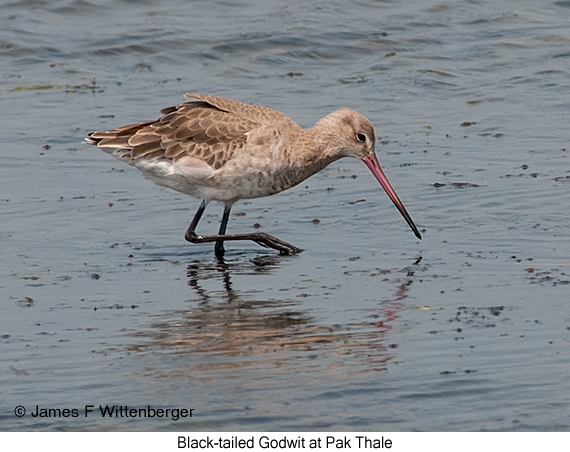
270,241
260,238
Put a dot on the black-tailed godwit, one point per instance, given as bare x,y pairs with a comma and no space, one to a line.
218,149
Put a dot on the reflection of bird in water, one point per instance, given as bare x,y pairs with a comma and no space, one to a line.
230,322
217,149
231,327
196,271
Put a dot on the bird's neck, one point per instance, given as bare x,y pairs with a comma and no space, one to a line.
319,149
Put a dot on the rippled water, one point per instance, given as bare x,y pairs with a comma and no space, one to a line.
103,302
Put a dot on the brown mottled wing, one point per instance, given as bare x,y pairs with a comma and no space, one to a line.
263,115
192,129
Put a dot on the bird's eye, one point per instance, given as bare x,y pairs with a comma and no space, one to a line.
361,137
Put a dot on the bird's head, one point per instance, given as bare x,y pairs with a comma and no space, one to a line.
352,135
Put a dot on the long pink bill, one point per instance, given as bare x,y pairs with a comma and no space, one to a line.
372,163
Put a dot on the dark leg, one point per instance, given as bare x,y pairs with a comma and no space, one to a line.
261,238
190,234
219,247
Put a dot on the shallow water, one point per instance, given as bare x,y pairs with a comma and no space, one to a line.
103,302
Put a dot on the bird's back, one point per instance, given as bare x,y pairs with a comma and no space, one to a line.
199,147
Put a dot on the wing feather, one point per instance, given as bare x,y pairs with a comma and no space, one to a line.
210,130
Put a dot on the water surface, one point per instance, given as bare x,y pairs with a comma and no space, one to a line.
103,302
